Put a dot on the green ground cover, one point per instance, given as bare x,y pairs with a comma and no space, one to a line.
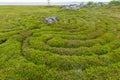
83,45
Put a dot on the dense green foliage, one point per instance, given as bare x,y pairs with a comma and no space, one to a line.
83,45
115,2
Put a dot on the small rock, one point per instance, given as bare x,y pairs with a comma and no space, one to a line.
51,19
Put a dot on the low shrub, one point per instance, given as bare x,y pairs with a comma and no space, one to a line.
100,50
38,43
70,51
57,42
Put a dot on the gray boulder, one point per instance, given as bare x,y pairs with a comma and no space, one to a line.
51,19
85,6
71,7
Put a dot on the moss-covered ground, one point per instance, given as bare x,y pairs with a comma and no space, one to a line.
83,45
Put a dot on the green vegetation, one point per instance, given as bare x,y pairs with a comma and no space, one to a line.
115,2
83,45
